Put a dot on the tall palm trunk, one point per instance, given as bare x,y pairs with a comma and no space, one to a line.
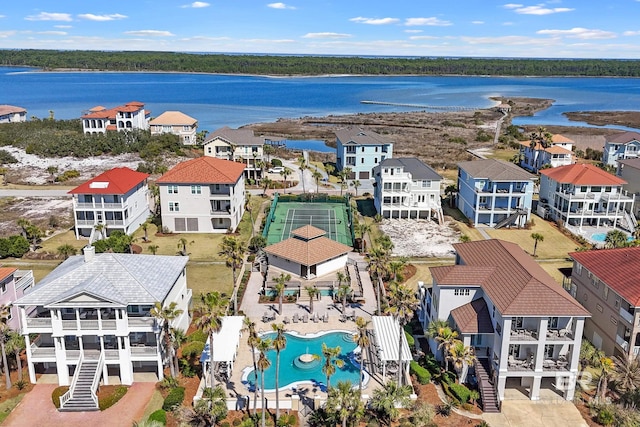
400,354
169,347
7,372
255,388
362,358
19,365
263,404
277,386
211,367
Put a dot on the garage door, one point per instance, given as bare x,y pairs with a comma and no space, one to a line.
363,175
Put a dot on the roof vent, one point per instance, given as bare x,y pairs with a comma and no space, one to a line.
99,184
89,252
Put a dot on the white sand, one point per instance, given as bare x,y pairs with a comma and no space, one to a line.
419,237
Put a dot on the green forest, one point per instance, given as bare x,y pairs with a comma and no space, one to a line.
315,65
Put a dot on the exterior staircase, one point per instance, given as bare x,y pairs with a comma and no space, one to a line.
511,218
490,402
82,395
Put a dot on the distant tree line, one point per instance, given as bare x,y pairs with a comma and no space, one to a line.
315,65
59,138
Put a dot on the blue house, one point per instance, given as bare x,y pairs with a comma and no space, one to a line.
361,150
625,145
494,192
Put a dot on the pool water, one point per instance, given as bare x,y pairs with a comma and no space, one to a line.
292,371
600,237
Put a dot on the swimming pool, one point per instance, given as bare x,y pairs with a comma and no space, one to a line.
600,237
294,292
293,372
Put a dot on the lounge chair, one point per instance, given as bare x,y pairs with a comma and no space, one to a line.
343,318
352,316
286,320
315,318
296,318
305,318
325,318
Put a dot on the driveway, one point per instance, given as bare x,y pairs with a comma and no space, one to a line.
543,413
36,409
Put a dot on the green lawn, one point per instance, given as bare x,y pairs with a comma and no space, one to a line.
505,154
6,406
205,277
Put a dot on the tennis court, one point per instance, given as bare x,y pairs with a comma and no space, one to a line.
330,217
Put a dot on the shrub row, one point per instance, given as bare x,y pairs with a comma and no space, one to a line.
173,399
422,374
460,392
193,349
410,340
111,399
159,416
198,336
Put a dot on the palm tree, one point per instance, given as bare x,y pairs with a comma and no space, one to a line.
537,237
447,339
387,399
66,250
209,320
153,249
462,357
285,173
263,364
182,245
267,150
15,346
5,312
252,341
178,337
363,229
233,251
355,184
208,411
313,292
344,291
344,402
396,267
281,283
35,233
145,227
331,361
362,340
279,343
302,165
317,176
615,239
450,191
402,304
248,208
626,375
24,223
266,183
165,315
101,229
607,366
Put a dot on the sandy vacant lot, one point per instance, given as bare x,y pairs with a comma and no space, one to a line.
416,238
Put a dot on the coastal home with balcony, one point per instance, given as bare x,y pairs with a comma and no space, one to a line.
89,319
125,117
536,157
494,192
12,114
361,150
524,329
629,170
583,195
202,195
606,282
176,123
625,145
13,284
237,145
117,199
407,188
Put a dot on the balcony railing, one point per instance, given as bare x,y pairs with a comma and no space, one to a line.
622,342
636,350
38,322
523,335
111,354
37,351
139,350
141,321
626,315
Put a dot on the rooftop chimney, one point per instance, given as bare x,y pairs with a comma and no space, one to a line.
89,252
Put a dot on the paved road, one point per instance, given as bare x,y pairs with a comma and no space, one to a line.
36,192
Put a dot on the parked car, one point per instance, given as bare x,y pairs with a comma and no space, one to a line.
276,169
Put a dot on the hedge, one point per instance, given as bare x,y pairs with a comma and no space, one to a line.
193,349
111,399
173,399
432,364
424,377
57,393
410,340
197,335
460,391
160,416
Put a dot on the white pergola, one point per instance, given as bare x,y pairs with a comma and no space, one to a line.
386,330
225,343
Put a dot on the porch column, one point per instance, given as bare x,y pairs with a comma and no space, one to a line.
535,388
105,370
502,384
569,383
32,370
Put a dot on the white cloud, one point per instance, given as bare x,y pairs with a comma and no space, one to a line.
92,17
2,16
419,31
374,21
5,34
63,26
503,41
46,16
280,6
631,33
579,33
434,22
477,22
53,33
423,38
197,5
326,36
536,10
149,33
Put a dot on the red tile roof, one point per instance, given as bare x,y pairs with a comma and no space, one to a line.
618,268
6,272
518,286
582,174
473,318
10,109
100,112
114,181
204,170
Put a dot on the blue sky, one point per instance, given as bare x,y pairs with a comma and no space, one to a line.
481,28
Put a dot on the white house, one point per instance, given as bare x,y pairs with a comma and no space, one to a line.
89,319
361,150
524,328
308,253
536,157
12,114
407,188
239,145
176,123
202,195
117,199
625,145
129,116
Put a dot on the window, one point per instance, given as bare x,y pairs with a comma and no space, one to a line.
172,189
174,206
516,322
3,288
196,189
552,323
548,351
579,268
605,290
613,320
498,329
617,303
387,186
461,292
362,160
426,184
476,340
493,312
599,308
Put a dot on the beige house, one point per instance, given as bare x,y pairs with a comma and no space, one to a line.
125,117
308,253
177,123
12,114
629,171
605,282
238,145
202,195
